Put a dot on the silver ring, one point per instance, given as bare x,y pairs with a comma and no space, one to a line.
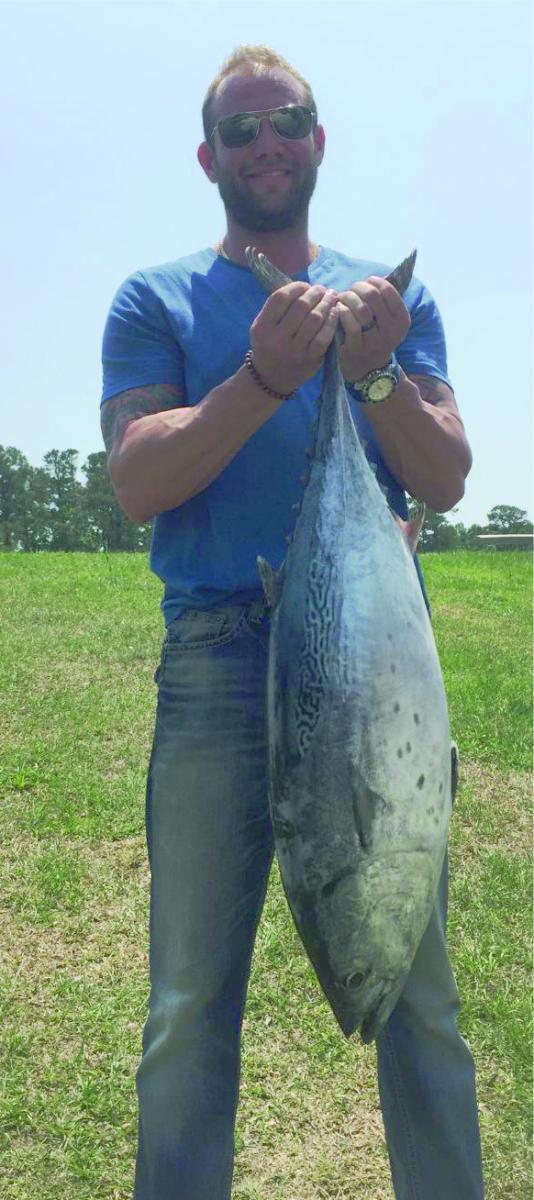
366,328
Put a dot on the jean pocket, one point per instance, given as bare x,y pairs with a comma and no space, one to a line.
195,629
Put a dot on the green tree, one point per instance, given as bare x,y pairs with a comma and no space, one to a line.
108,527
35,530
505,518
68,530
471,541
14,476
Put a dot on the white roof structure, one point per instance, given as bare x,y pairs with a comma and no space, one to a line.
507,541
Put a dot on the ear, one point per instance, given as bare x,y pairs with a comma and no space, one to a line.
319,142
206,159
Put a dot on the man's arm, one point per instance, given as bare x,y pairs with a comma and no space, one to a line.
161,453
419,430
422,440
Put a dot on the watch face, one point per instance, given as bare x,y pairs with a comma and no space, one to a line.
380,389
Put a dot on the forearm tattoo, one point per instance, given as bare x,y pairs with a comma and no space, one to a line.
118,411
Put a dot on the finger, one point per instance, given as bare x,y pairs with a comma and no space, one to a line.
314,321
351,325
278,304
392,301
300,310
372,297
325,335
360,309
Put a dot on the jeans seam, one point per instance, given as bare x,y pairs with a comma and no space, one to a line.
415,1179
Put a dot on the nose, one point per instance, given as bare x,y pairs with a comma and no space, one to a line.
267,138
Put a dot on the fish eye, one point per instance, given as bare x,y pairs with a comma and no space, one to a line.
354,980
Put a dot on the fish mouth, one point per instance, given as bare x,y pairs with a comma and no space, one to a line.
360,1000
367,1014
363,1001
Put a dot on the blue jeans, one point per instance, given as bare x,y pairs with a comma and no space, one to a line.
210,849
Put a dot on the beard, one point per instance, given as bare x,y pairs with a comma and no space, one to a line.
255,215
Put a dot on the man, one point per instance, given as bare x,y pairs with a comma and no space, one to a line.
210,445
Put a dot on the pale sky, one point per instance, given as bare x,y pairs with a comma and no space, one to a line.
427,110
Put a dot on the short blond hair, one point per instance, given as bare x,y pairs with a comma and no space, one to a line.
258,61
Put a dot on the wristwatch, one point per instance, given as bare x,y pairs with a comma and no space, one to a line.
376,386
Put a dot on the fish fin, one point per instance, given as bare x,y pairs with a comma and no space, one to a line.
271,581
412,528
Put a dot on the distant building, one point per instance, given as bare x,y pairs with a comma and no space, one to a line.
507,541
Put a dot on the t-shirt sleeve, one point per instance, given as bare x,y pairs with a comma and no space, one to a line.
138,345
423,351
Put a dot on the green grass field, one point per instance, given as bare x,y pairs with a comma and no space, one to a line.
80,640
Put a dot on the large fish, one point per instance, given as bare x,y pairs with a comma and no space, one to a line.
359,742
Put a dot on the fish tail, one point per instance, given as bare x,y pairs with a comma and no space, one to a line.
266,274
401,276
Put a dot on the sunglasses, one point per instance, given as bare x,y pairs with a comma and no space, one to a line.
293,121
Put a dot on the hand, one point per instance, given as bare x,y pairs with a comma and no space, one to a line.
373,299
292,333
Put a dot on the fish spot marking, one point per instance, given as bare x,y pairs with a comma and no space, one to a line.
416,718
421,781
430,810
408,747
400,752
396,707
392,668
441,787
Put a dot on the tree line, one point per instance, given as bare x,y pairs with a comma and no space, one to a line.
48,508
439,534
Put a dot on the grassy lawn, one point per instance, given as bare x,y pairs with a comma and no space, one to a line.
79,644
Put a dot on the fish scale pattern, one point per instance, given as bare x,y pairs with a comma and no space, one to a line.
318,649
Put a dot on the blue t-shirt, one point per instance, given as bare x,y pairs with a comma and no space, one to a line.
187,323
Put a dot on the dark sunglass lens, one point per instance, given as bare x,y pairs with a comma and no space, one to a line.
238,130
294,122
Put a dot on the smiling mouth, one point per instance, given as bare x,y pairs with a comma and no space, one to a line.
274,174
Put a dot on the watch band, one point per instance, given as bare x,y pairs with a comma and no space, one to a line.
361,390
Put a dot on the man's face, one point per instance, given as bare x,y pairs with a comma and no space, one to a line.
266,185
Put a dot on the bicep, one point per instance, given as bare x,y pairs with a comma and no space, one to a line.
120,410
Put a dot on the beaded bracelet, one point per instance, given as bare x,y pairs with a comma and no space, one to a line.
261,382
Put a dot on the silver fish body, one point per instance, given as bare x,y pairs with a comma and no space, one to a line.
359,741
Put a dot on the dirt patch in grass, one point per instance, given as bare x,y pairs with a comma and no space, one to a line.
75,997
497,806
